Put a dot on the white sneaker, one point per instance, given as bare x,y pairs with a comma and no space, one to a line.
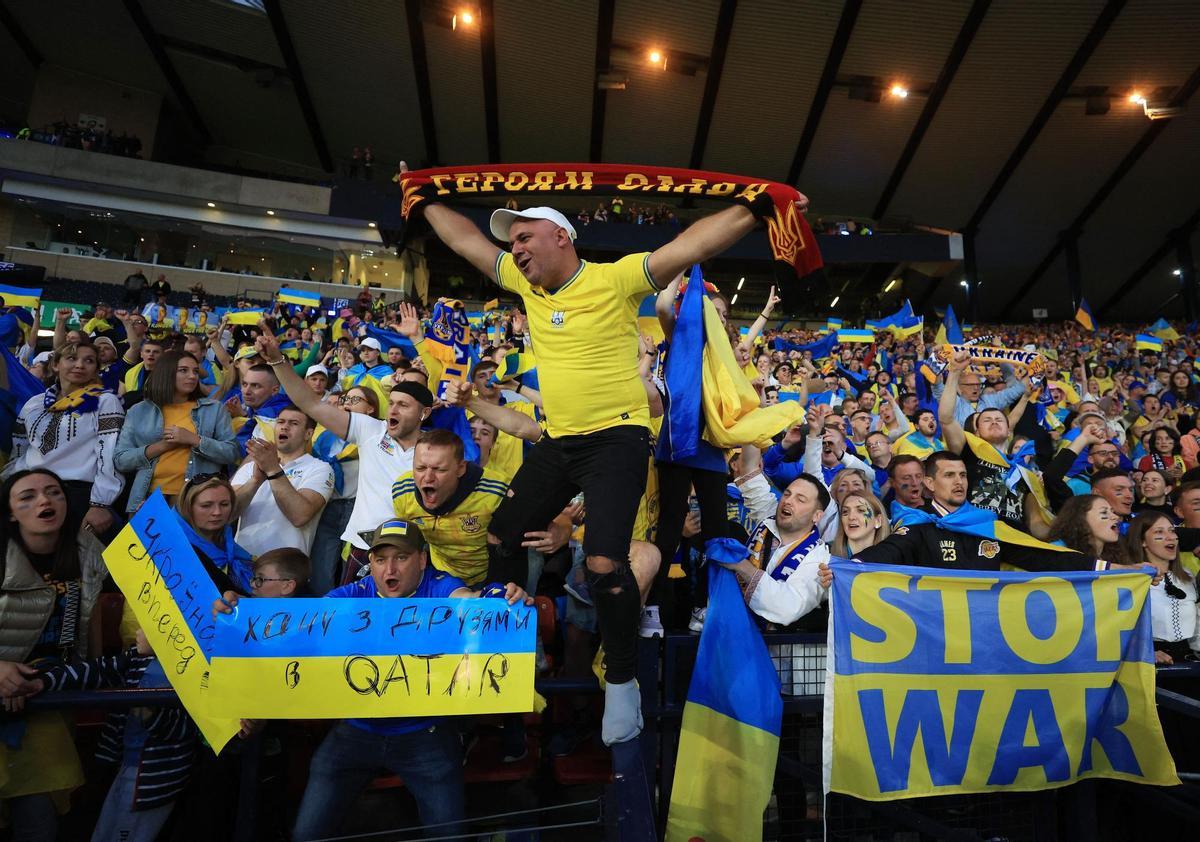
651,625
696,623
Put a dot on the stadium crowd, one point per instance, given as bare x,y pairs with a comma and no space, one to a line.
310,454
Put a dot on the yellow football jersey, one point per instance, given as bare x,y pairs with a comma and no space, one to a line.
585,335
458,538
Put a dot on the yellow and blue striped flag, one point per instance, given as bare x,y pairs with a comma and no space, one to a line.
730,735
1146,342
514,364
844,336
833,324
488,306
1084,315
302,297
20,296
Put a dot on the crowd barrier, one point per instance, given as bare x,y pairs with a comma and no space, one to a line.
639,788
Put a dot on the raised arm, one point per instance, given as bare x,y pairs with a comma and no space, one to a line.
761,321
705,239
951,429
664,306
334,419
461,235
516,424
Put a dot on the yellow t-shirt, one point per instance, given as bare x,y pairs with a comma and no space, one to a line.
171,467
585,335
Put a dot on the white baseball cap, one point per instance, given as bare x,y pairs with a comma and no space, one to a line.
317,369
371,342
503,219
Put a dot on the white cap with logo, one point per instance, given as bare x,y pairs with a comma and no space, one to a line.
503,219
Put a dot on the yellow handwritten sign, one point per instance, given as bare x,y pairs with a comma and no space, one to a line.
171,596
333,658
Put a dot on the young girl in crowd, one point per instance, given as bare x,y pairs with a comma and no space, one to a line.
862,523
1174,611
1088,524
175,433
51,572
1154,491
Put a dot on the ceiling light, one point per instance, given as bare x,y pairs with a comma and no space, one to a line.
370,224
466,17
1136,98
211,204
889,286
898,91
658,58
142,239
836,299
733,300
1177,272
270,213
963,283
79,231
742,281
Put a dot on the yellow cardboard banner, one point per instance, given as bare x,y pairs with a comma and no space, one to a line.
334,658
171,596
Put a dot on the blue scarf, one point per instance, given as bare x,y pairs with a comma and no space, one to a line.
967,518
231,558
795,555
1018,462
333,451
683,424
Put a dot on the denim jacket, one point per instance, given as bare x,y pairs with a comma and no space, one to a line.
144,425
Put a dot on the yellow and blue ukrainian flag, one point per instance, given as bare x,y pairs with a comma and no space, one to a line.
844,336
20,296
1084,315
301,297
1146,342
729,740
246,317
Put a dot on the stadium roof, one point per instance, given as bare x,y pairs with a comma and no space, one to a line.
1017,127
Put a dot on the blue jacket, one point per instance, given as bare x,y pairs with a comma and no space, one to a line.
143,427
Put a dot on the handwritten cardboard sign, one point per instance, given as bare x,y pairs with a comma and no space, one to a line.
363,658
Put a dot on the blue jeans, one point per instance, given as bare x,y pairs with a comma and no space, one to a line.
349,758
326,552
118,819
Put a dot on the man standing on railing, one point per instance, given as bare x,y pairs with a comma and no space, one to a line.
583,321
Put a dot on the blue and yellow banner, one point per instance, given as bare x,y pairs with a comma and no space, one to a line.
844,336
171,596
20,296
246,317
949,681
300,297
334,658
1146,342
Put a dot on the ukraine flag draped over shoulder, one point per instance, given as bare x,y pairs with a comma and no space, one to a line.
730,735
732,414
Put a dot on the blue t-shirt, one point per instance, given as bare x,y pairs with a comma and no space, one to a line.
434,584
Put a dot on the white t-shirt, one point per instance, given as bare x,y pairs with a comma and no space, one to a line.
380,461
263,525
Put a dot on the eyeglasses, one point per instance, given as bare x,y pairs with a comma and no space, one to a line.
353,400
257,581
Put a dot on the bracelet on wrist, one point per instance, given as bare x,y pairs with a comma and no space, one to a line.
276,475
279,361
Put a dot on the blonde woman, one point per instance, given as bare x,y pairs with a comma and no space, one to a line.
862,523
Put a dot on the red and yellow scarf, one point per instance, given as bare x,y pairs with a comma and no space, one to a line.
792,242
